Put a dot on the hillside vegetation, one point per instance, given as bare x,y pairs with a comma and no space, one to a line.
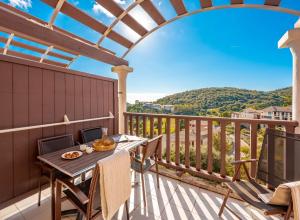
221,101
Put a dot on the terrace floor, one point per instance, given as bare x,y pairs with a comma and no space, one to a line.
174,200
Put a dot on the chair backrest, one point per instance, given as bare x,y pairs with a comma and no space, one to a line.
151,147
91,134
51,144
278,159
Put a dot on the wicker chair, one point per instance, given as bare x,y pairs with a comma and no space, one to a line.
273,169
91,134
48,145
142,165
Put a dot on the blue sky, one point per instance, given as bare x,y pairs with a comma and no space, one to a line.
230,47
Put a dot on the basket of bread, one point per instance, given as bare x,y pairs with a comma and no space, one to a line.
104,144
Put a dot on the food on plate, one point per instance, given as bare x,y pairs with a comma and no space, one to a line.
71,155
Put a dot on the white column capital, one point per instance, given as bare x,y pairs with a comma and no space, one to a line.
122,69
291,39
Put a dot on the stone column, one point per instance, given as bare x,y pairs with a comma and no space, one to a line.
122,72
291,39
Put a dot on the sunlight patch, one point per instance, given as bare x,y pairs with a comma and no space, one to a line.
24,4
97,8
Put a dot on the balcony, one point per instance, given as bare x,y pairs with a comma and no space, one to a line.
174,200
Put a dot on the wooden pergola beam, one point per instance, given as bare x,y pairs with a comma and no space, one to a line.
179,6
75,13
236,1
8,42
33,58
36,49
208,3
56,11
152,11
273,2
20,25
117,10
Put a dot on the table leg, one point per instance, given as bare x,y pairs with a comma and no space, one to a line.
58,201
52,183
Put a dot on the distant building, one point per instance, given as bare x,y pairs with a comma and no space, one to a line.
277,113
248,113
169,108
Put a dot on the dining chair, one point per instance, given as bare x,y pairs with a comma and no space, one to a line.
91,134
48,145
141,165
84,196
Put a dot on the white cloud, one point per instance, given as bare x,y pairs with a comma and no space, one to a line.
121,2
159,3
97,8
25,4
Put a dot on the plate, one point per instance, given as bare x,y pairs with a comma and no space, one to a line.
68,155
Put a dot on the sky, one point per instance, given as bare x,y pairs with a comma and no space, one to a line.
228,47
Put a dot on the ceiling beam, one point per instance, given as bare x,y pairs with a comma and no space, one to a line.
80,16
117,10
152,11
208,3
30,17
179,7
8,42
36,49
33,58
56,11
236,2
21,26
272,2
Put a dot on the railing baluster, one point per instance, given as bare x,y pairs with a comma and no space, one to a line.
237,145
223,149
209,147
253,148
151,126
131,125
198,144
126,123
187,143
159,133
137,125
168,149
177,147
144,126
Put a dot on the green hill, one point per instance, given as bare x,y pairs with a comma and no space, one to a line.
222,101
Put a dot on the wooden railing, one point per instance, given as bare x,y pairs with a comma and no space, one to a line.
195,130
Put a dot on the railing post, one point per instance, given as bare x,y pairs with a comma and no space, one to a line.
253,146
151,126
168,149
137,126
237,145
125,123
223,148
131,125
144,126
209,147
198,145
177,136
187,143
159,133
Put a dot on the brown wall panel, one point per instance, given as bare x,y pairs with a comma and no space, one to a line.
48,101
6,140
59,102
20,118
35,94
35,118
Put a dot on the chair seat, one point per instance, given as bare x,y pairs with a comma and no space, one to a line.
136,166
249,190
84,187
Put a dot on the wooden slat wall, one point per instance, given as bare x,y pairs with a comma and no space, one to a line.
34,94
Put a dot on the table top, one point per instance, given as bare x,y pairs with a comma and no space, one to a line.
86,162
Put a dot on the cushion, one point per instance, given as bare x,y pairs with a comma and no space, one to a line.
281,196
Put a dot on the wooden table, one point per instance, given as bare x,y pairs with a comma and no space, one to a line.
76,167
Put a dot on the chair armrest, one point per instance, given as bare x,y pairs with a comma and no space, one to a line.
136,159
74,189
244,161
